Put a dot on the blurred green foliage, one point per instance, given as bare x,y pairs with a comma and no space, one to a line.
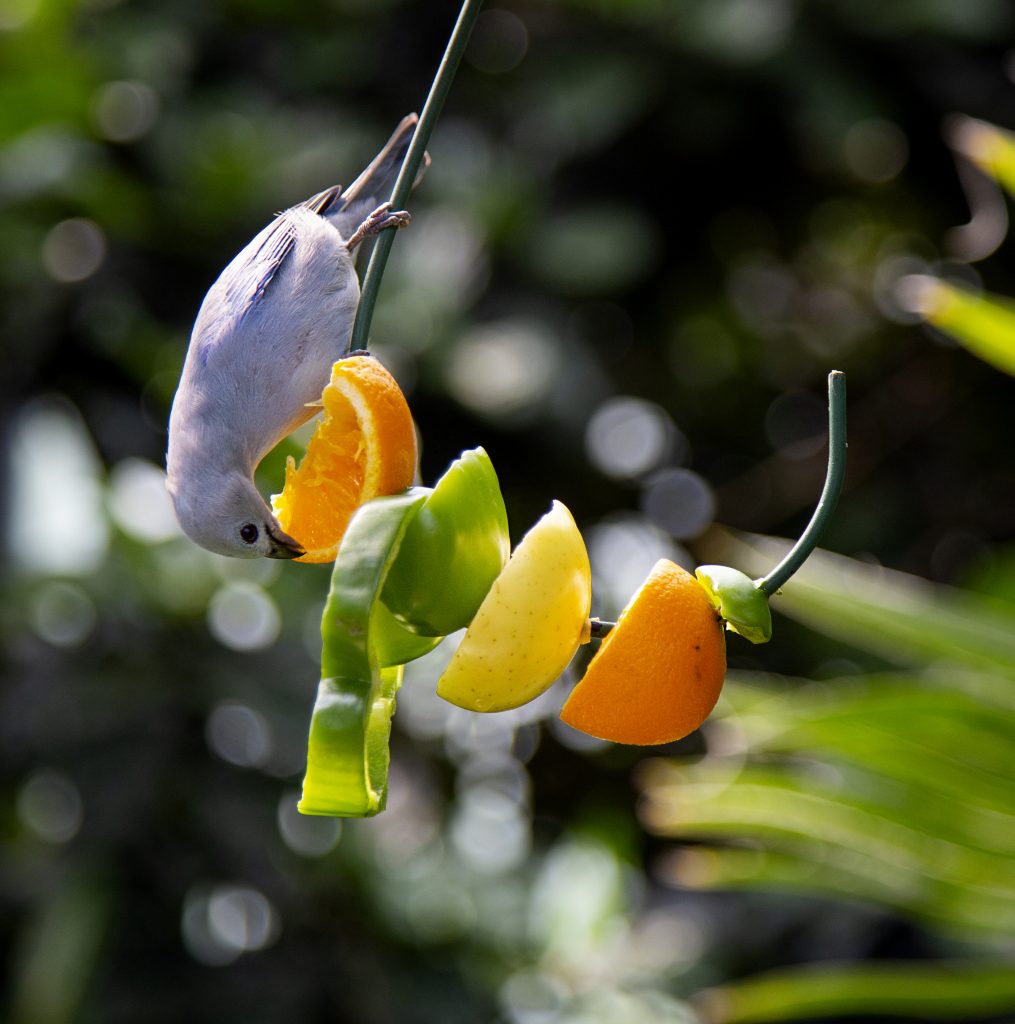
649,231
886,788
984,323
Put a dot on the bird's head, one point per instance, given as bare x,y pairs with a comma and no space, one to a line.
233,519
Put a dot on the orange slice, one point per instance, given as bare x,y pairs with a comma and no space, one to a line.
363,447
658,672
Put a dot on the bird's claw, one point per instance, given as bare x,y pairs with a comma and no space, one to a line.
380,220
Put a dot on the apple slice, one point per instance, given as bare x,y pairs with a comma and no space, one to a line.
529,624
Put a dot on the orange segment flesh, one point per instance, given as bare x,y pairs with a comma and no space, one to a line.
363,447
658,672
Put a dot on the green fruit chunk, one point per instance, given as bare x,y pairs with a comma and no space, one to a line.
452,551
347,756
743,605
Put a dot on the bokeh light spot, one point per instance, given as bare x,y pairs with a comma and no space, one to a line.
239,734
243,617
124,111
73,250
503,368
220,923
442,255
490,830
627,437
678,501
49,805
40,159
307,835
242,917
56,522
499,42
876,150
182,576
139,502
62,614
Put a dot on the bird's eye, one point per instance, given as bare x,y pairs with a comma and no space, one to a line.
248,533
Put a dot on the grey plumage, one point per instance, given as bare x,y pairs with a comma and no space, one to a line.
261,352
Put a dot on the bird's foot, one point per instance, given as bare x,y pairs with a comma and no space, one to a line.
380,220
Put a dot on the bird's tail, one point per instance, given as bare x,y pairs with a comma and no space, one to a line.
374,185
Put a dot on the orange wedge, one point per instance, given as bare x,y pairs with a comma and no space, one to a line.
363,447
658,672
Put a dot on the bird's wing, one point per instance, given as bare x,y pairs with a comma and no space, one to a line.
265,256
241,287
250,274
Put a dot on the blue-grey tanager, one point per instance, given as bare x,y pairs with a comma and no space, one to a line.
261,352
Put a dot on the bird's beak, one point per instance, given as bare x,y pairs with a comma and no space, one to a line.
282,545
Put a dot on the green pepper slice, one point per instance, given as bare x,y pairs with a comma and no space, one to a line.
396,645
347,756
452,551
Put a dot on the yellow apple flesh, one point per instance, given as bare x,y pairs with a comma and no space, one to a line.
530,623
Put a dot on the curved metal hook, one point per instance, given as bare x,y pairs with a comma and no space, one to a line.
834,475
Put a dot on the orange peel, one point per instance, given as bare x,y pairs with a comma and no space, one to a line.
658,672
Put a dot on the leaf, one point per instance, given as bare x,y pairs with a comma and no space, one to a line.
888,788
899,726
951,991
989,147
820,836
984,324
